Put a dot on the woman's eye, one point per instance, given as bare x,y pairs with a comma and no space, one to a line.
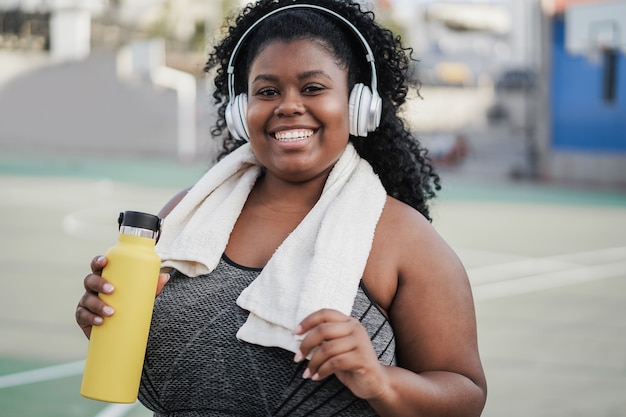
312,89
267,92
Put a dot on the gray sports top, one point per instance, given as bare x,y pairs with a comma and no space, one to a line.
196,367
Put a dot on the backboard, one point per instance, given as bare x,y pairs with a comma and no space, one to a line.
594,27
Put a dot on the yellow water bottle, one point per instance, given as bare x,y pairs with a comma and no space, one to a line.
117,347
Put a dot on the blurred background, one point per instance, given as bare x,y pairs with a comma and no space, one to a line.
539,84
104,106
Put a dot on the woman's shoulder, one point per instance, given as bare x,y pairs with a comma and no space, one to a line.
407,233
407,249
400,224
398,234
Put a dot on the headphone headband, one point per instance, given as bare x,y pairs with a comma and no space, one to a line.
369,54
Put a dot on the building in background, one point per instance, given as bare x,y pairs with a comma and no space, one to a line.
561,63
458,43
62,27
583,135
70,29
558,69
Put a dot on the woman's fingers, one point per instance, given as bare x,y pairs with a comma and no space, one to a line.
91,310
94,304
339,344
332,357
95,284
163,278
331,340
323,328
98,263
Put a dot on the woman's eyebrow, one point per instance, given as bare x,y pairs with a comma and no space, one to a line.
265,77
301,76
313,73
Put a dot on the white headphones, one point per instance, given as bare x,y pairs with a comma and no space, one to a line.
365,104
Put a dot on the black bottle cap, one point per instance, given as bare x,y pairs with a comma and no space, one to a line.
140,220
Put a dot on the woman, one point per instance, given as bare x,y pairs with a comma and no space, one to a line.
304,275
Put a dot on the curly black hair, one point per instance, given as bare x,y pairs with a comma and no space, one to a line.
396,156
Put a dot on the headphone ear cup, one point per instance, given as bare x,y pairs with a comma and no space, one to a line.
376,110
365,110
363,121
228,115
235,116
354,106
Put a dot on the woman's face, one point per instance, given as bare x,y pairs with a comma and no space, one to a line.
297,109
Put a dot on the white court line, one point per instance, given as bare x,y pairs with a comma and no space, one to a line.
524,267
60,371
90,222
42,374
516,269
595,256
525,276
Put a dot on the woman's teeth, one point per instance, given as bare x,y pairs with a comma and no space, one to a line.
293,135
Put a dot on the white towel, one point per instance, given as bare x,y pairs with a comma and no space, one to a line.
319,265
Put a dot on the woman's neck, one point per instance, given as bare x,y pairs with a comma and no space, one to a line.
287,197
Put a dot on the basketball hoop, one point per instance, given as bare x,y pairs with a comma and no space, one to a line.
593,28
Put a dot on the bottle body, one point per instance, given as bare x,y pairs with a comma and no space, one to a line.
117,347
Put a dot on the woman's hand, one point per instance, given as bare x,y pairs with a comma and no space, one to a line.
340,345
91,310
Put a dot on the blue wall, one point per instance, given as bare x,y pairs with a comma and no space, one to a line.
581,118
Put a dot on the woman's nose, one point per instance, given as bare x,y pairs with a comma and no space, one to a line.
289,104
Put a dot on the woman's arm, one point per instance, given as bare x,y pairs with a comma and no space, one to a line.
432,313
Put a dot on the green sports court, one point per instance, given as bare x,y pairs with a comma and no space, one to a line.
547,266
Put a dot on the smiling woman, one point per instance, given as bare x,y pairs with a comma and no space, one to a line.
304,275
289,100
